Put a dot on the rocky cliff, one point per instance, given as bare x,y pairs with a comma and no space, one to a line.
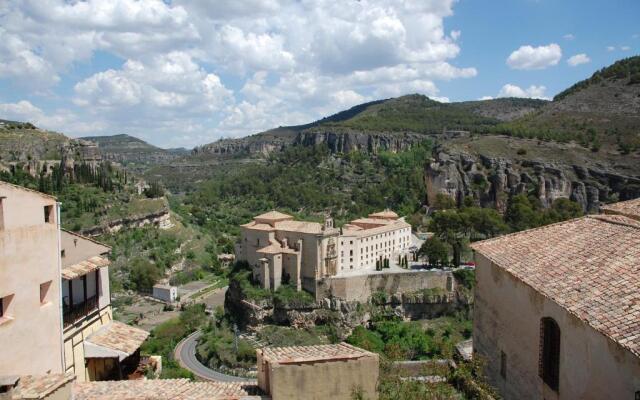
491,177
348,140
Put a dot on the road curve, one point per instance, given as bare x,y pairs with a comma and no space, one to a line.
185,354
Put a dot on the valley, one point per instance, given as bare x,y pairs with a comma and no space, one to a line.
457,173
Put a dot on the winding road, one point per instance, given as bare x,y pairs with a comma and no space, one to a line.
185,354
185,351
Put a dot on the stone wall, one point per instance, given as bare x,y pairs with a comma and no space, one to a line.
361,287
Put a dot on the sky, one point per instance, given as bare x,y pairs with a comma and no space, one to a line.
180,73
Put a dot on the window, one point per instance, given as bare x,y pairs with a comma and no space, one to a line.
48,214
5,309
549,359
44,291
1,213
350,252
503,365
62,253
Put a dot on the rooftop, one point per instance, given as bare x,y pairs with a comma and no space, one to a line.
630,208
84,267
40,386
307,354
590,266
386,214
114,340
164,389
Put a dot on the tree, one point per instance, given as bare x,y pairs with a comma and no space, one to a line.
452,227
485,222
521,214
444,202
436,251
561,210
143,274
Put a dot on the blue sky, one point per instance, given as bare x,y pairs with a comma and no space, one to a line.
184,72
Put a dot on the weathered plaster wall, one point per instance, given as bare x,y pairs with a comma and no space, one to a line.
30,332
74,337
360,287
335,379
507,317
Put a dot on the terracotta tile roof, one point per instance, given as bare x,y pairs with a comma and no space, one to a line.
118,337
307,354
590,266
299,226
84,267
178,389
258,226
273,216
276,248
40,386
365,230
387,214
630,208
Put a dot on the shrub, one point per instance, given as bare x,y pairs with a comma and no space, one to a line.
288,296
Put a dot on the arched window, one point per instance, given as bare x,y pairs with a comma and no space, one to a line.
549,362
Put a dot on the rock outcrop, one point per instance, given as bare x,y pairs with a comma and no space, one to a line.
345,140
160,219
491,180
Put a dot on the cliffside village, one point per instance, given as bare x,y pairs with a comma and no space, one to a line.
556,315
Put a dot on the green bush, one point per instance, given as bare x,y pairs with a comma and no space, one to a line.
287,296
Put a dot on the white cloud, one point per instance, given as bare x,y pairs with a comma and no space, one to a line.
534,92
568,36
197,71
578,59
60,120
528,57
625,48
486,98
610,48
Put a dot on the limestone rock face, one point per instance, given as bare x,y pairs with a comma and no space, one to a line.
491,180
345,141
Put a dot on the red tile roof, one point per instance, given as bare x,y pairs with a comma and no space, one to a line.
306,354
590,266
156,389
630,208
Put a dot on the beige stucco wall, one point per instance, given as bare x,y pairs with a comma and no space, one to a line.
74,337
507,317
31,336
335,380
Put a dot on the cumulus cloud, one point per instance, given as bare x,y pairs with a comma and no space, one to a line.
529,57
578,59
568,36
533,91
60,120
625,48
610,48
197,71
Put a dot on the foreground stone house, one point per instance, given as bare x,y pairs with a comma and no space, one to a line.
55,306
320,372
281,249
557,308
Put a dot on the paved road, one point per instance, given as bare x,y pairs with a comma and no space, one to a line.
185,354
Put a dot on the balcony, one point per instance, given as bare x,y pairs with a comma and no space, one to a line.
75,312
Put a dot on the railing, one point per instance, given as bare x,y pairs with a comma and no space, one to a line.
72,313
